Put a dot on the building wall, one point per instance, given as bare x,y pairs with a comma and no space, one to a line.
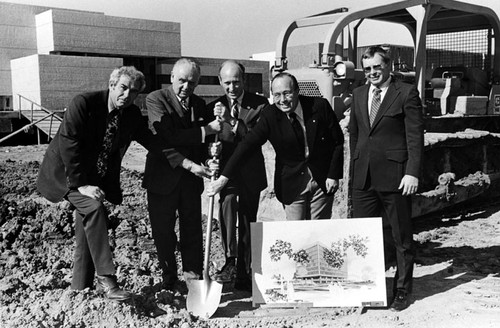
75,32
52,81
48,55
28,30
17,38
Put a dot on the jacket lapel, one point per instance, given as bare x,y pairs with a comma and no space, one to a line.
310,120
102,114
363,108
244,108
176,105
390,96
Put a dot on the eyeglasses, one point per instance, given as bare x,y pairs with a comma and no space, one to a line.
286,94
376,68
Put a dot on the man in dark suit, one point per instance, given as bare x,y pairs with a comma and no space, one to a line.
82,164
179,118
308,142
239,199
387,141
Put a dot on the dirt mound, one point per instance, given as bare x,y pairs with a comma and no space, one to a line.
457,281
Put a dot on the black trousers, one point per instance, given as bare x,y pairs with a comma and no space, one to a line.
238,204
185,200
395,210
92,250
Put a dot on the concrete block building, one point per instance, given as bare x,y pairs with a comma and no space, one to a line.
49,55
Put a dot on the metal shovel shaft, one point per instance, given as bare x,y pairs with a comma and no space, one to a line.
204,295
208,236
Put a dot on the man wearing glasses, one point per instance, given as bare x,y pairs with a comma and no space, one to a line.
308,142
387,142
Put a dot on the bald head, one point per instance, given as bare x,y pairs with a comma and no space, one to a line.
232,78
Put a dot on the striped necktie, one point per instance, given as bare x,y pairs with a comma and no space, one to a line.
184,106
375,105
235,111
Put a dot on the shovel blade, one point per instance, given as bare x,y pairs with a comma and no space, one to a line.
203,297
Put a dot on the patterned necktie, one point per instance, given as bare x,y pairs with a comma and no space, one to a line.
375,104
297,128
235,112
107,143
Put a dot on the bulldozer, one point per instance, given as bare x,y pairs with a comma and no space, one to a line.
451,61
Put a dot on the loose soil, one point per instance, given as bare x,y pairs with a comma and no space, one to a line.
457,272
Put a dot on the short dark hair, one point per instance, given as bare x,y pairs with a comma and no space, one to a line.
371,51
133,73
283,75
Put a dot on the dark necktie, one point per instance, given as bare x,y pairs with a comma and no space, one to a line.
235,111
107,143
297,128
375,105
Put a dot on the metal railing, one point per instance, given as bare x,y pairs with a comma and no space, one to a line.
50,114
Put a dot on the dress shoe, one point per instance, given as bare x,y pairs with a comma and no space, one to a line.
401,300
243,285
227,273
112,291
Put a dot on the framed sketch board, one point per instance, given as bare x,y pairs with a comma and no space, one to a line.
320,263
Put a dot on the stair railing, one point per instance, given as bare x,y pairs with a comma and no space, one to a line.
50,114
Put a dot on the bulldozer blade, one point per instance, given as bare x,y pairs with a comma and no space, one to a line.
204,297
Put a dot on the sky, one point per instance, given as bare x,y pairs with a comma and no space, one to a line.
237,28
217,28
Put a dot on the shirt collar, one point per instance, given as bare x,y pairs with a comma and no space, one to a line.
383,87
299,112
239,99
180,100
112,109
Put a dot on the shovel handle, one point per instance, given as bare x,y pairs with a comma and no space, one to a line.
208,235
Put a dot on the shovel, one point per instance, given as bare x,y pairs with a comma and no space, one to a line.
204,295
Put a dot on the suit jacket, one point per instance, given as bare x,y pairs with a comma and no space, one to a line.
394,145
252,171
324,138
180,132
71,157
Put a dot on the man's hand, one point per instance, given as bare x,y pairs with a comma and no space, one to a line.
332,185
213,127
216,186
222,111
201,171
213,165
409,184
214,149
93,192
